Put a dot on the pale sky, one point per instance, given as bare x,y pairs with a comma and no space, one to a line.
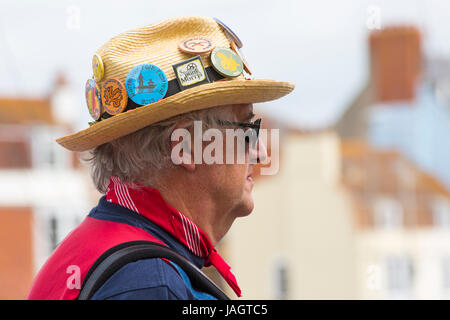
320,45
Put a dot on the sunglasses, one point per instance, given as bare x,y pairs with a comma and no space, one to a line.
255,126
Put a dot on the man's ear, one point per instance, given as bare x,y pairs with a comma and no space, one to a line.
181,151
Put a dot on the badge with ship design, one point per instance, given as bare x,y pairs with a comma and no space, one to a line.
146,83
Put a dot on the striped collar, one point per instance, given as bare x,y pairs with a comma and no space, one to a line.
149,203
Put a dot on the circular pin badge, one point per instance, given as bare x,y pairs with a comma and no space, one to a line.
239,53
93,99
196,45
226,62
146,84
114,96
97,67
231,35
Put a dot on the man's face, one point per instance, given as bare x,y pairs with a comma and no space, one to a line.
230,184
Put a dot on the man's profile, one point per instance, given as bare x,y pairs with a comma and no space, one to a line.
153,189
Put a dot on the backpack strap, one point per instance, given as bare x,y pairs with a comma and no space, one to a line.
118,256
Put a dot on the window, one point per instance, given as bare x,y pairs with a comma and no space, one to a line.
51,224
441,212
388,213
53,232
399,276
446,276
47,154
15,151
281,280
14,155
442,92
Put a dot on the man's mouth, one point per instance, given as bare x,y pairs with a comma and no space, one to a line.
249,177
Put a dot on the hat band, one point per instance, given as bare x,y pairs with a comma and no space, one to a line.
173,88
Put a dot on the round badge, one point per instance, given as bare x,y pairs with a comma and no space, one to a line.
231,35
239,53
114,96
97,67
93,99
146,83
226,62
196,45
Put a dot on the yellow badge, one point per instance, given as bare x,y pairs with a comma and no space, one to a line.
226,62
97,67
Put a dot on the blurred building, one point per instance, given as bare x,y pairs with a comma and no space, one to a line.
44,192
396,164
364,212
342,220
299,242
405,104
402,224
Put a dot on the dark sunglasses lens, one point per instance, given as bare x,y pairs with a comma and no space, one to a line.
258,123
251,137
256,131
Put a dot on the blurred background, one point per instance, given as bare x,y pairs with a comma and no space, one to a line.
360,205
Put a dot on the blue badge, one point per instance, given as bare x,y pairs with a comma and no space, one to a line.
230,34
146,84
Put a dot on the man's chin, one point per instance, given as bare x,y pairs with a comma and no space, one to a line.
246,206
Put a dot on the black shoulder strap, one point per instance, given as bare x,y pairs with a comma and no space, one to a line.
117,257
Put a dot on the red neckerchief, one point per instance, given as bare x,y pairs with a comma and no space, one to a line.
149,203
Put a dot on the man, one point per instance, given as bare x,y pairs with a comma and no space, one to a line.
159,182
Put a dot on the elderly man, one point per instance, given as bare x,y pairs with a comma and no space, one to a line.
151,86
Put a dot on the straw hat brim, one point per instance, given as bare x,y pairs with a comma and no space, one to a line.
200,97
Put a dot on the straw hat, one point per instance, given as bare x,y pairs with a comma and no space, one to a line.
158,44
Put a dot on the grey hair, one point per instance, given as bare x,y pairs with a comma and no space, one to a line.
133,157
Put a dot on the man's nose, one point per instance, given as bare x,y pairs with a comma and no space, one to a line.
258,153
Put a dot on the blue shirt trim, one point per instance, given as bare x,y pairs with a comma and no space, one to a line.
197,294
